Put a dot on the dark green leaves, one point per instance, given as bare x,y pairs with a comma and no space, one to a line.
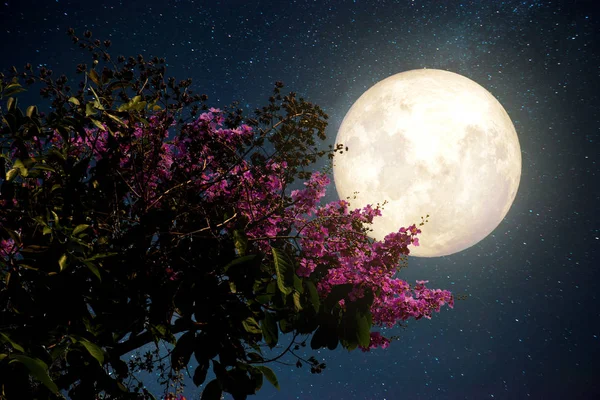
326,335
135,103
269,329
251,326
270,375
180,357
357,322
200,373
93,349
122,250
240,241
6,339
243,272
62,262
12,89
313,295
284,268
350,326
79,228
37,369
20,167
212,391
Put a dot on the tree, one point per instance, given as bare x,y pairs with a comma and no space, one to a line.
133,213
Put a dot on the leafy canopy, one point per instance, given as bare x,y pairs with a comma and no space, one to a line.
133,214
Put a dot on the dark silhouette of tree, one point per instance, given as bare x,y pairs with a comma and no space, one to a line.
133,214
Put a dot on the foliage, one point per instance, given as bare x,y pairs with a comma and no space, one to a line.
134,214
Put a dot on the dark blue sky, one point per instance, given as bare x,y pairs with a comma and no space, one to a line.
530,327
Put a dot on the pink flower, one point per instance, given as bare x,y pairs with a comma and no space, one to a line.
8,249
377,341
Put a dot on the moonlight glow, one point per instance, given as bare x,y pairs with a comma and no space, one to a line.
430,142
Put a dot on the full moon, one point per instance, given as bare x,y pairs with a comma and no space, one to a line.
430,142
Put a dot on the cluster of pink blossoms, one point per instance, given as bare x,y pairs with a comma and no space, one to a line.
331,235
146,145
335,236
8,249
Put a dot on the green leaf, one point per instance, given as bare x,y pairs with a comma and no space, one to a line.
314,295
44,167
116,119
200,373
80,228
363,329
326,334
240,241
56,219
251,326
297,305
54,153
117,85
94,77
23,171
162,331
90,110
40,220
12,89
27,266
31,111
34,249
285,326
133,104
98,124
212,391
94,269
337,293
298,284
62,262
94,350
73,100
319,338
240,260
255,357
180,357
5,338
101,255
283,269
11,174
10,103
270,375
37,369
269,329
97,102
257,377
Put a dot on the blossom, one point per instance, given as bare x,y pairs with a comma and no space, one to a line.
8,249
377,341
333,246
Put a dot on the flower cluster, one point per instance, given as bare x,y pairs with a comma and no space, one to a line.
331,236
336,238
8,249
377,341
334,245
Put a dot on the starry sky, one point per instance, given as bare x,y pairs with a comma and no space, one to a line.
530,327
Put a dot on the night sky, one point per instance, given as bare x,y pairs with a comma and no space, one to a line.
530,327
